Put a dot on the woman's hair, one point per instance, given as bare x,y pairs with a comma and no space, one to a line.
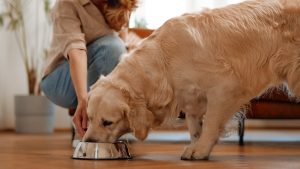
117,12
113,3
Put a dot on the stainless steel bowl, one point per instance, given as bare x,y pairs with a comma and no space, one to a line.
101,151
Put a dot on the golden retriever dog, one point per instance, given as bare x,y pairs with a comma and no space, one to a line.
206,64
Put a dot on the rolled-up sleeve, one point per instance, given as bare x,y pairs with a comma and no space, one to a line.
67,29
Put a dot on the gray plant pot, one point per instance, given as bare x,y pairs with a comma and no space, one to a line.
34,115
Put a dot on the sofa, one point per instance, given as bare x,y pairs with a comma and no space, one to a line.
273,104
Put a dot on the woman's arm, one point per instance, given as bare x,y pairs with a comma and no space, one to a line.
78,69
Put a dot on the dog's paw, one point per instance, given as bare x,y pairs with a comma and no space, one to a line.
188,153
192,153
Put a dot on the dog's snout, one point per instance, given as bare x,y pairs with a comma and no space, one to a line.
90,140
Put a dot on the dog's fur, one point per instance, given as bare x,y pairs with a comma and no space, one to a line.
208,63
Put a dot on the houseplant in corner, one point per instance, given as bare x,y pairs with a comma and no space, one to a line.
30,23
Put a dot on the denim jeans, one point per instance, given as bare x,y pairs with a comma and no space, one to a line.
103,55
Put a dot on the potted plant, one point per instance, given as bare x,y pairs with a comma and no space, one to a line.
29,21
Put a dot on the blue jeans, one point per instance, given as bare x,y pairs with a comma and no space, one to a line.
103,55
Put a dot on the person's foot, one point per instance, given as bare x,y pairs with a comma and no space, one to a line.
72,111
75,138
75,142
180,120
181,115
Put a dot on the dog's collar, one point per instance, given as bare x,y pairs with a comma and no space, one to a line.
84,2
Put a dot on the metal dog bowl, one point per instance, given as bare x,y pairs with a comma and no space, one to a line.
101,151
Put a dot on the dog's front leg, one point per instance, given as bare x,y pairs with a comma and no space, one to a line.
195,126
219,111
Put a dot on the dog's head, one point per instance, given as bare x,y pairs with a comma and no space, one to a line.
117,12
112,113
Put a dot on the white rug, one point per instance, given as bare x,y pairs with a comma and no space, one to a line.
250,136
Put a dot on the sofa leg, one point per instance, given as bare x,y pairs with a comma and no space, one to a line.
241,131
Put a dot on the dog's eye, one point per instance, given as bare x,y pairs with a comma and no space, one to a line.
106,123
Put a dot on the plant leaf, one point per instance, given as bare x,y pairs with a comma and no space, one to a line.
47,10
47,6
1,21
13,24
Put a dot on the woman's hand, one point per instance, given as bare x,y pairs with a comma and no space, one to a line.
80,118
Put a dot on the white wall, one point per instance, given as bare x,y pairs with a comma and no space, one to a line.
156,12
2,80
13,82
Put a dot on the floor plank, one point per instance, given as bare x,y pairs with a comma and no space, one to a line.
54,152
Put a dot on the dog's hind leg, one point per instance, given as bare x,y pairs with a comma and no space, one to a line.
293,81
222,104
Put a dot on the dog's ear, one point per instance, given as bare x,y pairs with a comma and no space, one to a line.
140,120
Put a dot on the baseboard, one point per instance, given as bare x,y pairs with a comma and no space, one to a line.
249,124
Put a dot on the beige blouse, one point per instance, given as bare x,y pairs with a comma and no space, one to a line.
75,24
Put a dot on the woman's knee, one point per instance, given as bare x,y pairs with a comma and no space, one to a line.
58,87
59,98
115,47
110,46
105,54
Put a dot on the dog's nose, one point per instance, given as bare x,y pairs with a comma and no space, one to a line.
90,140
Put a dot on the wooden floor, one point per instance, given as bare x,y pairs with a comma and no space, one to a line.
54,152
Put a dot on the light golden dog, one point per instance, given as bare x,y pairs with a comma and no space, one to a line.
209,63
